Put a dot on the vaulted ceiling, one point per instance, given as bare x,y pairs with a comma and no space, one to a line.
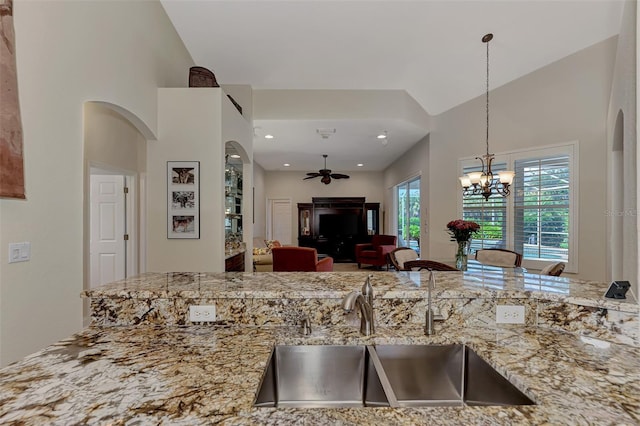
430,49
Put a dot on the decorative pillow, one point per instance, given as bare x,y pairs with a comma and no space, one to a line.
271,244
260,250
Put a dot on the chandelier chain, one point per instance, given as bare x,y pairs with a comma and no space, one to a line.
487,99
485,183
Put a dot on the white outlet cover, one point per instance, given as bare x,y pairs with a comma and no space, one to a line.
202,313
509,314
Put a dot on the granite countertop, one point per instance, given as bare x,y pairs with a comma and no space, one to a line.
139,372
205,374
388,285
230,252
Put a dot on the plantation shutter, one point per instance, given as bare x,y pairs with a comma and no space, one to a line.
491,214
541,208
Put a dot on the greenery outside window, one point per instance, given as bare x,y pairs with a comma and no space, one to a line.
408,214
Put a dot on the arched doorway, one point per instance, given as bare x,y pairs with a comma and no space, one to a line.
238,198
114,187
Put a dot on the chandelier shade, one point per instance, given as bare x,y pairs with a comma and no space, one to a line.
484,182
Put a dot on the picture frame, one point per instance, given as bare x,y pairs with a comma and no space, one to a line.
183,199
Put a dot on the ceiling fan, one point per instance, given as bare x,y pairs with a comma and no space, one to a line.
326,174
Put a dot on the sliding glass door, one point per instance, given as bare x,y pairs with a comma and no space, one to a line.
408,196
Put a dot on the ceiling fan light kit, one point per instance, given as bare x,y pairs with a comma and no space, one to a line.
325,174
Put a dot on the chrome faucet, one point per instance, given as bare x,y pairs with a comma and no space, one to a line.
430,316
365,302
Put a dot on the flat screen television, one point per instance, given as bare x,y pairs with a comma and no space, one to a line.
338,225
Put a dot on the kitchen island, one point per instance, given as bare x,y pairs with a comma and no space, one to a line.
143,362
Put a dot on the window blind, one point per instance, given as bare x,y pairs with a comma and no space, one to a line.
541,208
490,214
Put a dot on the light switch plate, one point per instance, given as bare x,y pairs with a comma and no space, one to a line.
19,252
509,314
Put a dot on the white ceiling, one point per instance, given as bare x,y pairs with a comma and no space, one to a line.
431,49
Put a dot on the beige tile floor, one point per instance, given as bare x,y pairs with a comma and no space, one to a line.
349,267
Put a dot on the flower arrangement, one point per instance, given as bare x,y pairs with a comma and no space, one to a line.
462,230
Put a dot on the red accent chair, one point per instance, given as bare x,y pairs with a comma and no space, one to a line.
376,252
299,259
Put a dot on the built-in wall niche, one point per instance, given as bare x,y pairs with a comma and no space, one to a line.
233,193
236,256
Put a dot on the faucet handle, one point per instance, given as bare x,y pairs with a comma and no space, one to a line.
367,290
305,325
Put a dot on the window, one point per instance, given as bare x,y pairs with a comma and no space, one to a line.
537,218
541,208
489,214
408,196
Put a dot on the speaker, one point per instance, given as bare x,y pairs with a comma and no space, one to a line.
618,290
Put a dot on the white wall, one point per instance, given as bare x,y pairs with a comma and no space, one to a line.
413,163
112,141
562,102
243,95
338,104
189,129
291,185
193,125
622,207
69,53
259,202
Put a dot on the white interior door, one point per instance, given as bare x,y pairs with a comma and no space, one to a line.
107,229
280,221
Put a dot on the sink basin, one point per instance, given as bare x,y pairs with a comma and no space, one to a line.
321,377
325,376
429,375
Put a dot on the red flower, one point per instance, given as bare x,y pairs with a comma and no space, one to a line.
462,230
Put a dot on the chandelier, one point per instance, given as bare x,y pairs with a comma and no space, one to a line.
484,182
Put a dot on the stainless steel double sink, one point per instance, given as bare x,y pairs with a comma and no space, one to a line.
327,376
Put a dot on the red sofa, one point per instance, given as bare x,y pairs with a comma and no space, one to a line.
376,252
299,259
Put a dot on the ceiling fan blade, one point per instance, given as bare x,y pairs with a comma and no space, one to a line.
312,177
339,176
314,174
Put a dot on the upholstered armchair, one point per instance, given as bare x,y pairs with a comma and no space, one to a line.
299,259
431,265
399,256
499,257
376,252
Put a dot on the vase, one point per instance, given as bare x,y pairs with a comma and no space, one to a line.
462,254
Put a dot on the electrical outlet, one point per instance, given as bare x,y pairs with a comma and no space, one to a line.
509,314
202,313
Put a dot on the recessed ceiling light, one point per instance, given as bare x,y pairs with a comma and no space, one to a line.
286,164
382,135
360,164
268,136
234,156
